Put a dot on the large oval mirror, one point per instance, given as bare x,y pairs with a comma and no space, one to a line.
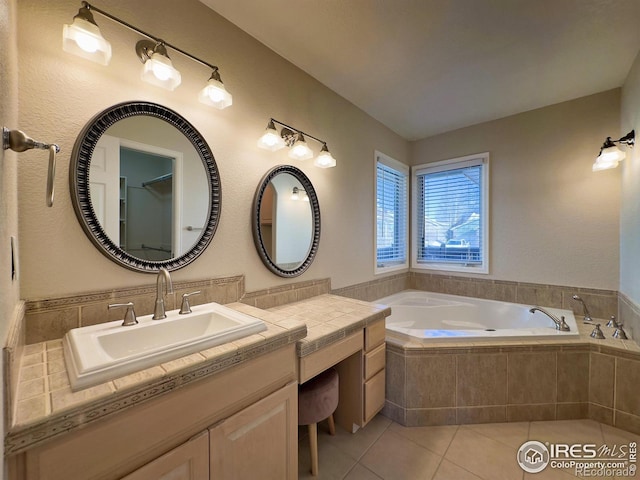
286,221
145,187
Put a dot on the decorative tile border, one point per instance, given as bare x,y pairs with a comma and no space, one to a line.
58,409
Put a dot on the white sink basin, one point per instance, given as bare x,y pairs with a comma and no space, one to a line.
100,353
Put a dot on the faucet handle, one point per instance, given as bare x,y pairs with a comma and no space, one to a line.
130,314
613,323
597,333
185,307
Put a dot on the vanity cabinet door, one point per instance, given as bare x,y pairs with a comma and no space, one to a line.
260,441
189,461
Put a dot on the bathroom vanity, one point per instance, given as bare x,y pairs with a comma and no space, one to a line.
228,412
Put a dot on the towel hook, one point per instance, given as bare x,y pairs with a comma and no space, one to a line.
18,141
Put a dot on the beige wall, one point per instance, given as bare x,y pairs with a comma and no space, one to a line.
59,93
553,220
9,290
630,209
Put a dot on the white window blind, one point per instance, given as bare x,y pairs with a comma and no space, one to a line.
451,210
391,213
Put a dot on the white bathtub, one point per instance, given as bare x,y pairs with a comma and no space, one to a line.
436,316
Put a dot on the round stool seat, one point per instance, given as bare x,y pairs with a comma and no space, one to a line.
318,398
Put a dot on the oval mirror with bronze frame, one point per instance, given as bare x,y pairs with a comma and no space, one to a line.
145,187
286,221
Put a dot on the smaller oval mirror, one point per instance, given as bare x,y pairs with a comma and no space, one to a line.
286,221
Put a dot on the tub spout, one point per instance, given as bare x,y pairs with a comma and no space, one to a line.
560,323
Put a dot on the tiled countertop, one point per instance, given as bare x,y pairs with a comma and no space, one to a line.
330,318
46,406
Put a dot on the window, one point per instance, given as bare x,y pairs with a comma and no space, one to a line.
392,190
451,215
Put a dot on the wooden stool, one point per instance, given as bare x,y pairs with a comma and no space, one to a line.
317,400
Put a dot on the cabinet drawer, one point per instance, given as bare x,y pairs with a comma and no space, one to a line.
328,356
373,396
374,335
374,361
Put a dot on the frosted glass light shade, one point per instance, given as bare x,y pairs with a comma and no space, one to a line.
159,71
215,95
325,159
83,38
300,150
609,158
271,139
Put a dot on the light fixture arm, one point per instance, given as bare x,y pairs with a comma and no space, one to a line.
298,131
90,7
628,139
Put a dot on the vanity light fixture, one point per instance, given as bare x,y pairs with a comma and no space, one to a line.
83,38
295,140
271,139
158,69
214,93
325,159
300,150
610,155
295,195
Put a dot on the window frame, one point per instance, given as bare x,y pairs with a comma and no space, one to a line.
405,170
445,165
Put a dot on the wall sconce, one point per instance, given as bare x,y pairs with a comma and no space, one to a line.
295,195
83,38
610,155
295,140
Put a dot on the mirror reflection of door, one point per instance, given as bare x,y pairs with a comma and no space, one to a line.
267,215
141,205
292,223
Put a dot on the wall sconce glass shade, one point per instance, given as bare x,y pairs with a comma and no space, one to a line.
325,159
300,150
214,94
610,155
158,69
609,158
83,38
271,139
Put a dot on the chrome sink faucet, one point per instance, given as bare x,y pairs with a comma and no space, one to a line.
585,310
163,278
560,323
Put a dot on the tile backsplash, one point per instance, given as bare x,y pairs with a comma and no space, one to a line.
50,319
601,303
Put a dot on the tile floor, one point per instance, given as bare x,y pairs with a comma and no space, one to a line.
388,451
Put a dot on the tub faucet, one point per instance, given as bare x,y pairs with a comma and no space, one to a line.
585,310
560,324
163,278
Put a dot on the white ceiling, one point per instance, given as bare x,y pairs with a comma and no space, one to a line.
423,67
